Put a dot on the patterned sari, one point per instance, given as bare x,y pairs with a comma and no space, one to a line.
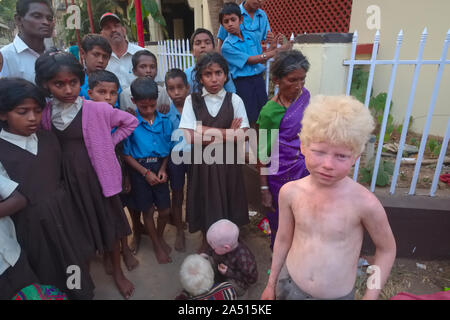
287,163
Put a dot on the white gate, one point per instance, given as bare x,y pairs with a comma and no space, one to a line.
395,63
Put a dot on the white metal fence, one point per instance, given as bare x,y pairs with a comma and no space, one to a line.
417,63
176,54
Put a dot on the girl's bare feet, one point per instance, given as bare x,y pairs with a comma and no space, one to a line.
126,288
130,261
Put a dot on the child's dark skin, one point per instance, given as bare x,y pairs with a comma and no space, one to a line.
147,109
14,203
178,91
107,92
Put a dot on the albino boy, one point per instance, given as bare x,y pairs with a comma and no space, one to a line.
323,216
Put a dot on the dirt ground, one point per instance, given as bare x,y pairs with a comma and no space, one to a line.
161,282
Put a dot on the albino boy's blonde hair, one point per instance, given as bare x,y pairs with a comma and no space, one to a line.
196,275
339,120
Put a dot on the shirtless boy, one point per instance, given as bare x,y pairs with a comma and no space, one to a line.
319,239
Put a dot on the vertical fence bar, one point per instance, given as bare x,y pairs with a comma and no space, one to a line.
172,54
419,61
440,162
434,96
179,54
184,55
387,108
352,63
373,61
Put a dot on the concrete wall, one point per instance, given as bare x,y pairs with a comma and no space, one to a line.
412,16
327,75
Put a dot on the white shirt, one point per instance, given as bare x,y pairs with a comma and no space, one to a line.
64,113
125,101
9,247
18,60
29,143
213,103
122,67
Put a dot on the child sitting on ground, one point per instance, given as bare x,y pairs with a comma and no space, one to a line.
322,217
103,87
232,259
197,279
147,151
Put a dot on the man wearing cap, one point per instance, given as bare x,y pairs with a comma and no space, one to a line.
34,19
120,61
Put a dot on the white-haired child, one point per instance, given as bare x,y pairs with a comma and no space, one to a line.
319,240
232,259
197,280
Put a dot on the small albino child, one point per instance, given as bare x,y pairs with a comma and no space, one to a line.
323,216
232,259
197,280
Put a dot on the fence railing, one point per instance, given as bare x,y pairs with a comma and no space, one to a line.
177,54
417,63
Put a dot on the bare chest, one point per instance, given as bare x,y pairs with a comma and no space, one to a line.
329,219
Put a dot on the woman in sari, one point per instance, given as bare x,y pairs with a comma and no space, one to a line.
279,152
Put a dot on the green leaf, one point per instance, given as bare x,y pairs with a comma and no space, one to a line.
151,7
366,175
389,167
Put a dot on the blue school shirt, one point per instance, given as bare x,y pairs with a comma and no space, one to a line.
150,141
85,88
259,25
179,144
190,74
237,52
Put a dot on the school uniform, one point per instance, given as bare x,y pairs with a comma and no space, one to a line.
90,167
15,272
180,149
195,87
248,78
217,190
259,25
149,145
47,229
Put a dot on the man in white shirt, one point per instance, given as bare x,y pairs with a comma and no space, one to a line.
120,61
35,21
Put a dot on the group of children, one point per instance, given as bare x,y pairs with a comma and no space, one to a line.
67,194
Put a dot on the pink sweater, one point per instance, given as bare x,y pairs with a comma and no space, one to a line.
98,119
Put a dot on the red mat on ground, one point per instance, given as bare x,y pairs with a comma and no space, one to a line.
443,295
